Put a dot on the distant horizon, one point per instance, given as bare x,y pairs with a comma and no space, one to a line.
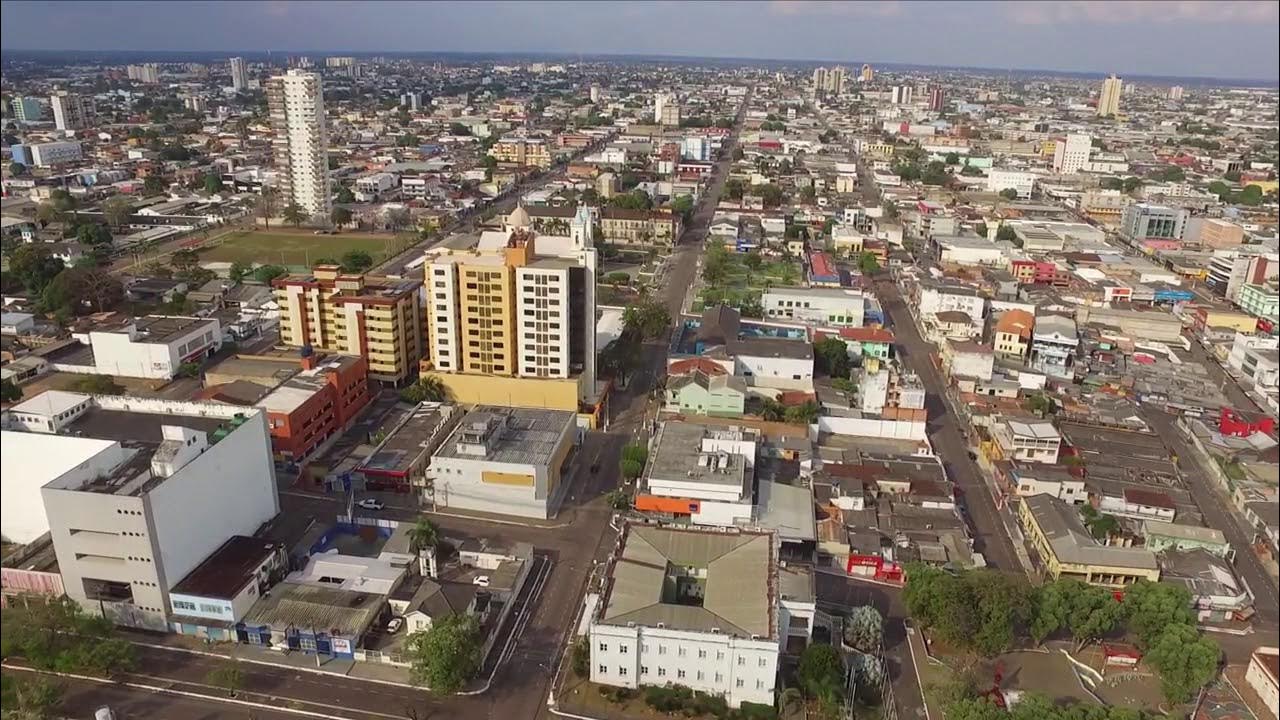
1138,38
320,53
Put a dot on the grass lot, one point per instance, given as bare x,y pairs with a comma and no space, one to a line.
742,286
299,249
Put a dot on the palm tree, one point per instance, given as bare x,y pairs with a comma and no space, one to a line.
433,389
294,214
423,539
266,204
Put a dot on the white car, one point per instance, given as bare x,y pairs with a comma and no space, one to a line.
370,504
480,581
394,625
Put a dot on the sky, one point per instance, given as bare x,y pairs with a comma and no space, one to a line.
1209,38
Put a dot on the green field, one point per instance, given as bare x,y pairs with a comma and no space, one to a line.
298,250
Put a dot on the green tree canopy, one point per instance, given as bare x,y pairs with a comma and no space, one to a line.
1151,607
356,261
821,673
1185,660
212,183
34,266
267,273
294,214
447,655
831,355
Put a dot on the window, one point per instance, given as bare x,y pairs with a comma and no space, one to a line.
622,649
762,662
644,669
680,673
719,678
719,654
680,652
741,660
740,682
183,605
622,671
699,675
702,654
604,647
662,649
604,670
662,672
212,609
759,684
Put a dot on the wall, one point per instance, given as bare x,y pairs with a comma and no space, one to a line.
228,490
865,427
774,367
510,391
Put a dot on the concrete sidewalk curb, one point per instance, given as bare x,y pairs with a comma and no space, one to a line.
268,663
181,693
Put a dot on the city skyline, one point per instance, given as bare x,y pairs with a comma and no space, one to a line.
1075,37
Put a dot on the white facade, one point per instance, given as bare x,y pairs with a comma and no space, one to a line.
1036,442
1068,490
1254,357
54,153
69,112
126,530
936,300
1021,182
963,250
131,352
839,308
296,105
1261,676
239,74
720,664
1071,155
546,353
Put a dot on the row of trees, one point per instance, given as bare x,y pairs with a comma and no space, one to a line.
986,612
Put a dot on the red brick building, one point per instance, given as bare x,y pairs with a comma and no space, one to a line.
319,401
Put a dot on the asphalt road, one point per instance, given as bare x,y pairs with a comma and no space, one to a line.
990,537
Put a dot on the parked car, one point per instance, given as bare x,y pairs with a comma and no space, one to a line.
370,504
394,625
480,581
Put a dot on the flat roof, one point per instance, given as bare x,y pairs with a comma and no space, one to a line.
164,328
1184,532
677,455
788,509
841,293
416,435
28,462
737,572
519,435
1072,543
50,402
224,573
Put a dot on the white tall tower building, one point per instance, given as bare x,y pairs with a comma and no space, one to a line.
1071,155
239,74
1109,98
295,101
1175,92
69,111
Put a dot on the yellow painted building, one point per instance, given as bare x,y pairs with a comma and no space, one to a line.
522,151
377,318
1056,532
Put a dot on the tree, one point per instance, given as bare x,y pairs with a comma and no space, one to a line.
733,187
1171,173
459,129
868,264
267,200
634,457
617,499
803,414
31,698
58,635
78,286
952,158
1009,194
340,216
266,273
424,535
634,200
294,214
17,169
189,370
117,210
154,185
1091,613
398,219
753,260
1151,607
1185,660
715,264
831,355
970,171
821,674
682,205
408,140
212,183
240,270
773,411
646,320
93,234
890,209
34,266
1006,233
447,655
345,196
771,194
356,261
981,610
97,385
9,391
864,629
227,676
429,388
581,660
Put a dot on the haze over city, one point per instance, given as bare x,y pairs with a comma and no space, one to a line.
1136,38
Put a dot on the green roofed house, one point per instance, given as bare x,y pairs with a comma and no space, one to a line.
1161,536
698,393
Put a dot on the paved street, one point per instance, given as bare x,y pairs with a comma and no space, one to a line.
990,537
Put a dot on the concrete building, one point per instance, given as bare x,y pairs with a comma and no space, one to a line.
300,142
135,492
1054,481
147,73
70,111
1216,233
239,74
310,407
1053,345
377,318
717,394
27,109
1109,97
153,347
1020,182
525,152
1230,270
969,250
1071,154
1161,536
699,474
1027,442
695,608
521,306
54,153
1142,222
666,109
1055,530
1257,360
901,94
218,593
1263,676
1259,300
868,74
1013,331
509,461
827,307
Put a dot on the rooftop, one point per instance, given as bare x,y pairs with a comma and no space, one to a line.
510,435
342,613
693,580
1073,544
228,569
678,455
417,434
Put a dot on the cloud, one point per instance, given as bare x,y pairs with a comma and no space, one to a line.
1101,12
863,8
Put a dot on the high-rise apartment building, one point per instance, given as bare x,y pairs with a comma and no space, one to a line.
868,74
377,318
1071,154
1175,92
1109,98
69,110
666,109
902,94
522,305
936,98
829,80
27,109
295,102
147,73
239,74
819,78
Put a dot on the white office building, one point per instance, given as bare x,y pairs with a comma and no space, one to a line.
153,347
55,153
835,307
134,492
710,471
694,608
1071,154
1018,181
239,74
295,101
509,461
